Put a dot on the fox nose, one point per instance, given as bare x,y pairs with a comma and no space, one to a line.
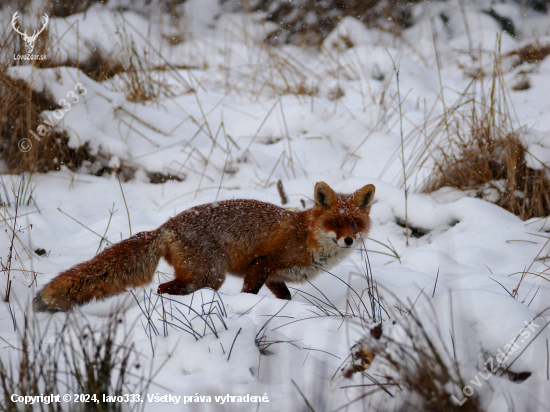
348,241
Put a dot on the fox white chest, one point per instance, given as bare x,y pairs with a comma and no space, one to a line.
324,258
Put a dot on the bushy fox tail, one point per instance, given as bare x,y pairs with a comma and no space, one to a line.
127,264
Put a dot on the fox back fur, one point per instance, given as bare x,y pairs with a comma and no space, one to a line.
261,242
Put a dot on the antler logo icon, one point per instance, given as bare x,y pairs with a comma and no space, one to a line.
29,40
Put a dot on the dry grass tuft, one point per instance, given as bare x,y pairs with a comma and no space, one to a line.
22,126
475,147
78,358
532,53
135,71
495,169
486,158
19,115
143,85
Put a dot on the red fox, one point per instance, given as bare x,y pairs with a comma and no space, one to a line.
259,241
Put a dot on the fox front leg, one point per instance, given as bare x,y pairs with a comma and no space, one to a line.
256,275
279,289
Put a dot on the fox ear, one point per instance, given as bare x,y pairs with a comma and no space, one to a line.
324,196
363,197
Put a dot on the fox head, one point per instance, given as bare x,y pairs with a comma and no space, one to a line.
340,218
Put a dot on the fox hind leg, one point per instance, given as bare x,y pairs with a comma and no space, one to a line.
176,287
193,271
187,283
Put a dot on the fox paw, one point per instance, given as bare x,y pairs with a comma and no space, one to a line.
176,287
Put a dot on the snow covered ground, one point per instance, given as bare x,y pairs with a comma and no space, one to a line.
242,116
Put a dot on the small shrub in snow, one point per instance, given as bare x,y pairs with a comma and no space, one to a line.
531,53
310,21
409,367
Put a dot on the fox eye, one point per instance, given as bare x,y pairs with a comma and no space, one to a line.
335,224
